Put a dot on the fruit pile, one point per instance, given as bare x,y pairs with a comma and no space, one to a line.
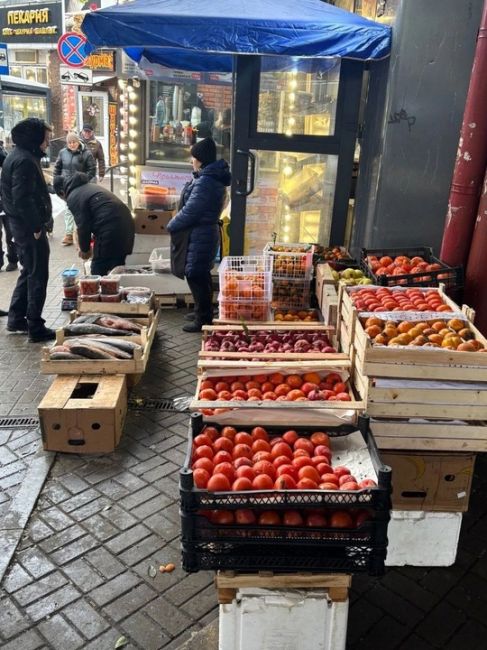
290,261
387,299
249,311
290,293
296,315
351,277
230,460
268,341
244,286
451,335
314,518
404,265
332,253
276,387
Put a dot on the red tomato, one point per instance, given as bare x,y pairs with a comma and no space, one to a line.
222,457
329,478
245,516
229,432
240,393
301,452
225,468
301,461
212,432
352,485
259,433
224,396
241,450
243,438
306,484
304,443
290,437
281,460
262,482
202,439
292,518
319,460
260,445
340,519
222,517
346,478
201,478
218,483
204,463
320,438
275,441
241,462
245,472
221,385
269,518
223,444
281,449
366,483
343,397
205,451
340,470
328,486
262,455
332,378
237,385
322,450
290,470
324,468
315,520
242,484
265,467
309,472
340,387
283,482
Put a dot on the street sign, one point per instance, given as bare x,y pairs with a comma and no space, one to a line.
71,49
3,59
75,76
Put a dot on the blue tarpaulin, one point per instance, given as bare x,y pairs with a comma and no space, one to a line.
176,33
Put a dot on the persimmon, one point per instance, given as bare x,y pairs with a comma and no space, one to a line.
206,383
294,381
218,483
282,390
312,377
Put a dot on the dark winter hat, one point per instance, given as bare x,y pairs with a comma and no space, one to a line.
204,151
87,127
30,133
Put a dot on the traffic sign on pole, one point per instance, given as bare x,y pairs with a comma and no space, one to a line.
71,49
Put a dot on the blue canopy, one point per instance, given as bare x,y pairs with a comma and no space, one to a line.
175,33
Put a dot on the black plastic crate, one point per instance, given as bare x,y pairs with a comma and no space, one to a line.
201,556
338,264
253,547
450,276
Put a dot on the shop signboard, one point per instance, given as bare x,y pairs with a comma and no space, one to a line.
31,23
162,178
101,61
3,58
112,133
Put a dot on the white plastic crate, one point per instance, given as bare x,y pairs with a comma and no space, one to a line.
246,279
250,310
290,261
160,260
277,619
418,538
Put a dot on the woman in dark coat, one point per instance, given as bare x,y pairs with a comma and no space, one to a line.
75,157
202,201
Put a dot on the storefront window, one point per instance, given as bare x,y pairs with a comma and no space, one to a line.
298,97
185,107
17,107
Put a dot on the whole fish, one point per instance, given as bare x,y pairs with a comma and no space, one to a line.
64,356
90,352
74,329
121,344
87,318
119,323
106,346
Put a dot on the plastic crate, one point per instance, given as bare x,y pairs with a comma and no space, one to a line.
234,310
246,279
207,545
293,315
160,260
450,276
329,254
290,261
290,293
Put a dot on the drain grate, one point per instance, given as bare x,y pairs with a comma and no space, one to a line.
17,421
149,404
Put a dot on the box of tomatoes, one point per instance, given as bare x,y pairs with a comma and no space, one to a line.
274,498
411,266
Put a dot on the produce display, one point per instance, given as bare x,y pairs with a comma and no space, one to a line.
454,334
276,386
387,299
317,518
251,311
290,293
332,253
245,288
292,261
350,277
404,269
101,324
268,341
296,315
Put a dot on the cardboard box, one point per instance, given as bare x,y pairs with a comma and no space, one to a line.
152,222
430,481
83,414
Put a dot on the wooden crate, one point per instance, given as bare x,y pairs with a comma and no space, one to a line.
415,398
119,308
430,435
329,304
135,366
323,278
83,414
337,358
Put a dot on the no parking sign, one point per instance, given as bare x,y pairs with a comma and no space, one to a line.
71,49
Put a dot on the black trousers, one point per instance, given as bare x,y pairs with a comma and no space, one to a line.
29,294
202,290
103,265
11,249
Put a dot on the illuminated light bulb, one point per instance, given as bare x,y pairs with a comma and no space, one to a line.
123,170
132,157
286,238
132,120
291,121
287,171
121,83
123,157
133,108
292,97
286,228
122,122
132,145
288,133
133,133
293,83
132,181
132,169
287,217
130,89
123,146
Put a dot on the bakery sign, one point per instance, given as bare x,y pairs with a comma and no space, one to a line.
31,23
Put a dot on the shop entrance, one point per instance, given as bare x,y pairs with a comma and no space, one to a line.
294,139
93,110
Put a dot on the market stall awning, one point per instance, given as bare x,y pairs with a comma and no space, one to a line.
177,32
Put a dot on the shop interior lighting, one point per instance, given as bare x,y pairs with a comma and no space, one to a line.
133,108
123,157
132,120
132,157
133,133
121,83
123,170
132,146
288,170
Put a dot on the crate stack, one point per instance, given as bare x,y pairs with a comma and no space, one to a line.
245,288
428,407
292,269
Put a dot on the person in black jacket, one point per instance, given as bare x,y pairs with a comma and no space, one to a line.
74,157
27,204
12,256
202,201
100,213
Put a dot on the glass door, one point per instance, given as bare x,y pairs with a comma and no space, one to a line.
93,110
295,130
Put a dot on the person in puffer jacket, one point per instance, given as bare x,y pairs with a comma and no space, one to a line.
202,201
74,157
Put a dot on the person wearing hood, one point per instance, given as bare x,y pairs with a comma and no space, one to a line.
194,230
28,207
74,157
100,213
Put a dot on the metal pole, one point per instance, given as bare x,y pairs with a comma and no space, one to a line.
471,160
475,294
